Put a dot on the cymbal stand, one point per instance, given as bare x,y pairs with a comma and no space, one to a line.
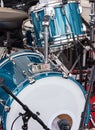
92,22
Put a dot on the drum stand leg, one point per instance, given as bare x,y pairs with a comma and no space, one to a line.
59,64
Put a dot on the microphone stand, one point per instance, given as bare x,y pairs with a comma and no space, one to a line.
28,112
84,113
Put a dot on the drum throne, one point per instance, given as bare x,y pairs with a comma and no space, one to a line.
10,20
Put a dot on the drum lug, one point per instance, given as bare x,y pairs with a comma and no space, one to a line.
31,80
65,76
11,59
6,108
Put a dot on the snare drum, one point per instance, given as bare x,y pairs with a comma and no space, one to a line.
65,22
52,95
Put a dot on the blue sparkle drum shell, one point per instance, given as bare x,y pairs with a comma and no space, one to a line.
64,23
52,95
73,18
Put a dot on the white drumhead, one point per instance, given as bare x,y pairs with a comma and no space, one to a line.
54,98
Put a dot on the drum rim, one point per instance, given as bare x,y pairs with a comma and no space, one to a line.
39,7
21,53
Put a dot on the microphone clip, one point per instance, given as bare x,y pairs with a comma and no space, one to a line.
25,118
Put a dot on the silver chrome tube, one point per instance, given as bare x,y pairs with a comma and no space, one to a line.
92,22
46,44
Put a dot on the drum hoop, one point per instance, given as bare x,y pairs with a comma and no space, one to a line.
38,8
47,74
60,37
73,1
20,54
60,44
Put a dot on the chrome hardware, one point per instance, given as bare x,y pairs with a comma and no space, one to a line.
11,59
59,64
50,12
6,108
31,80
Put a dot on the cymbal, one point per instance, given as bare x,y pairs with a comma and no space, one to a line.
9,14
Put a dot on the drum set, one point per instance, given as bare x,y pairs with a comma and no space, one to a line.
37,91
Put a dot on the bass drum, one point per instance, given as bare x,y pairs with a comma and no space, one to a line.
53,96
